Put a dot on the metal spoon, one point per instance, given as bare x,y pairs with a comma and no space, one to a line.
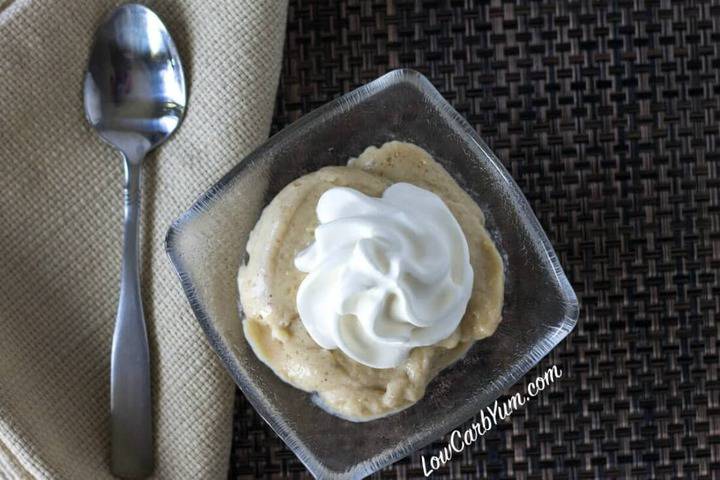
135,98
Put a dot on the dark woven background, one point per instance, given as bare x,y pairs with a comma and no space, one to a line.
607,116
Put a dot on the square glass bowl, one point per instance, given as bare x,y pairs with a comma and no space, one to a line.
207,245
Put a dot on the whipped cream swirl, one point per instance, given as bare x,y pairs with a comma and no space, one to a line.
384,274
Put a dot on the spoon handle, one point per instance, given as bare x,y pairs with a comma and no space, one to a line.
130,402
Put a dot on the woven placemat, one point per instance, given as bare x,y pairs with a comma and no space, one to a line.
608,117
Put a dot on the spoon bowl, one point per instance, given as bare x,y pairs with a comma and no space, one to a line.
134,91
135,98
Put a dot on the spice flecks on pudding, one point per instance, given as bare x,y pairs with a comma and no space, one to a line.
406,335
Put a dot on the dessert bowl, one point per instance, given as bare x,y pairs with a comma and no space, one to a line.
207,246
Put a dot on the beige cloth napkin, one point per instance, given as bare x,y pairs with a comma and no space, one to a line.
60,233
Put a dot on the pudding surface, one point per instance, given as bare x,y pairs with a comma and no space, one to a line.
269,282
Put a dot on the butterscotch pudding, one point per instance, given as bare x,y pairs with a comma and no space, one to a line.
365,281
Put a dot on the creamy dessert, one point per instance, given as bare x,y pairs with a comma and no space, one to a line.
365,281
